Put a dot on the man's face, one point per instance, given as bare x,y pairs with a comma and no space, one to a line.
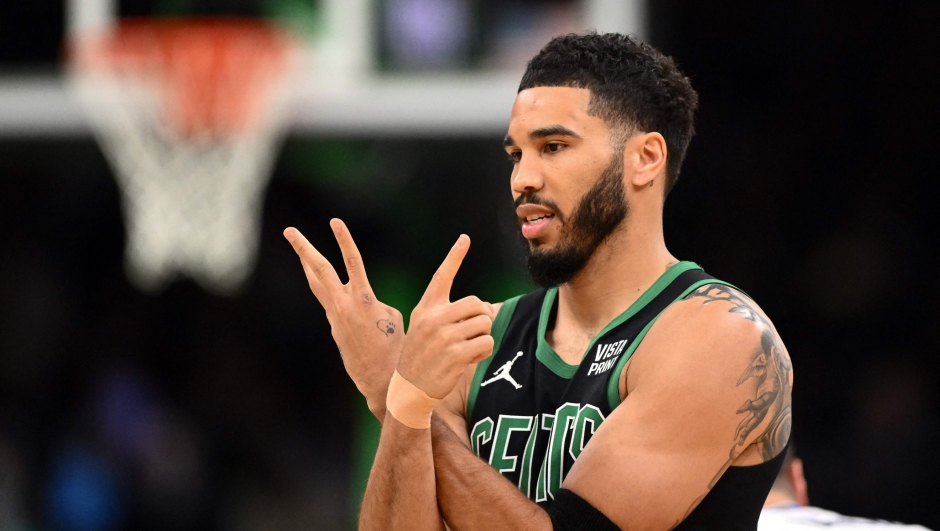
567,180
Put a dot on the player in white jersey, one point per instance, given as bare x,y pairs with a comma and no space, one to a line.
787,507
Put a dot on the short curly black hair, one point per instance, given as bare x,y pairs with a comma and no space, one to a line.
634,87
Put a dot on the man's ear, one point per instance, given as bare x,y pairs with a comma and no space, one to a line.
648,158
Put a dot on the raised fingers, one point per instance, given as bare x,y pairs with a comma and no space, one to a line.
351,256
439,289
314,263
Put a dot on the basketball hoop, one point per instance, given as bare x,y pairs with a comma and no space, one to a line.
189,113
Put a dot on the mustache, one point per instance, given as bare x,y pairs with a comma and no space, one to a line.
535,199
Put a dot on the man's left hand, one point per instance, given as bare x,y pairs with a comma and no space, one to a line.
369,334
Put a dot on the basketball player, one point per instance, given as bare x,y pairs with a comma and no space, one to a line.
787,507
632,391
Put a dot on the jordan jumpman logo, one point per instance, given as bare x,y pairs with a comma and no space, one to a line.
502,373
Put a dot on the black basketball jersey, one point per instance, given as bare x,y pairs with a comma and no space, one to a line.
530,413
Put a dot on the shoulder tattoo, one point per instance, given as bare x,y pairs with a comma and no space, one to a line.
769,372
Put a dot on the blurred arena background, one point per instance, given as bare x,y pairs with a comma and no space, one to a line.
812,184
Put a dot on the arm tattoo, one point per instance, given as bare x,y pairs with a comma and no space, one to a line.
770,370
386,326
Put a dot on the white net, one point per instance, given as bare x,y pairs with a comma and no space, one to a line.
192,191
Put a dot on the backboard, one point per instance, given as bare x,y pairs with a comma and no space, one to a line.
372,67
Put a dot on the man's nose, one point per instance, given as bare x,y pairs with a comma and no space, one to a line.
527,178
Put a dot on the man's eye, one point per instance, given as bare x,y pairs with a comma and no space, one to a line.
553,148
515,156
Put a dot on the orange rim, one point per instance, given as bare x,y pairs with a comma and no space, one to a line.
213,73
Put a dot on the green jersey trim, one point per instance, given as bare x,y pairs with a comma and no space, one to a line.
498,330
613,385
543,351
547,355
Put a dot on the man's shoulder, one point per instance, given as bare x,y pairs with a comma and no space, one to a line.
718,343
719,305
799,518
715,315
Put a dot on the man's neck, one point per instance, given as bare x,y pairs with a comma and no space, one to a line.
622,268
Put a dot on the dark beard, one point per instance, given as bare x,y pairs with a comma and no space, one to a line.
599,212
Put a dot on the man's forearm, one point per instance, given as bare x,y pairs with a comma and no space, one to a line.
401,490
375,400
472,495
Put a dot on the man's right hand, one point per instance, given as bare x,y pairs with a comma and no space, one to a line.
369,334
445,337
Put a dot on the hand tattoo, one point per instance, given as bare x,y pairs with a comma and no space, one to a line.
386,326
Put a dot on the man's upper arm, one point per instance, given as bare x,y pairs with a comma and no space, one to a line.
706,384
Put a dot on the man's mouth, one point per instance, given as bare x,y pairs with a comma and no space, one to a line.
535,226
534,219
